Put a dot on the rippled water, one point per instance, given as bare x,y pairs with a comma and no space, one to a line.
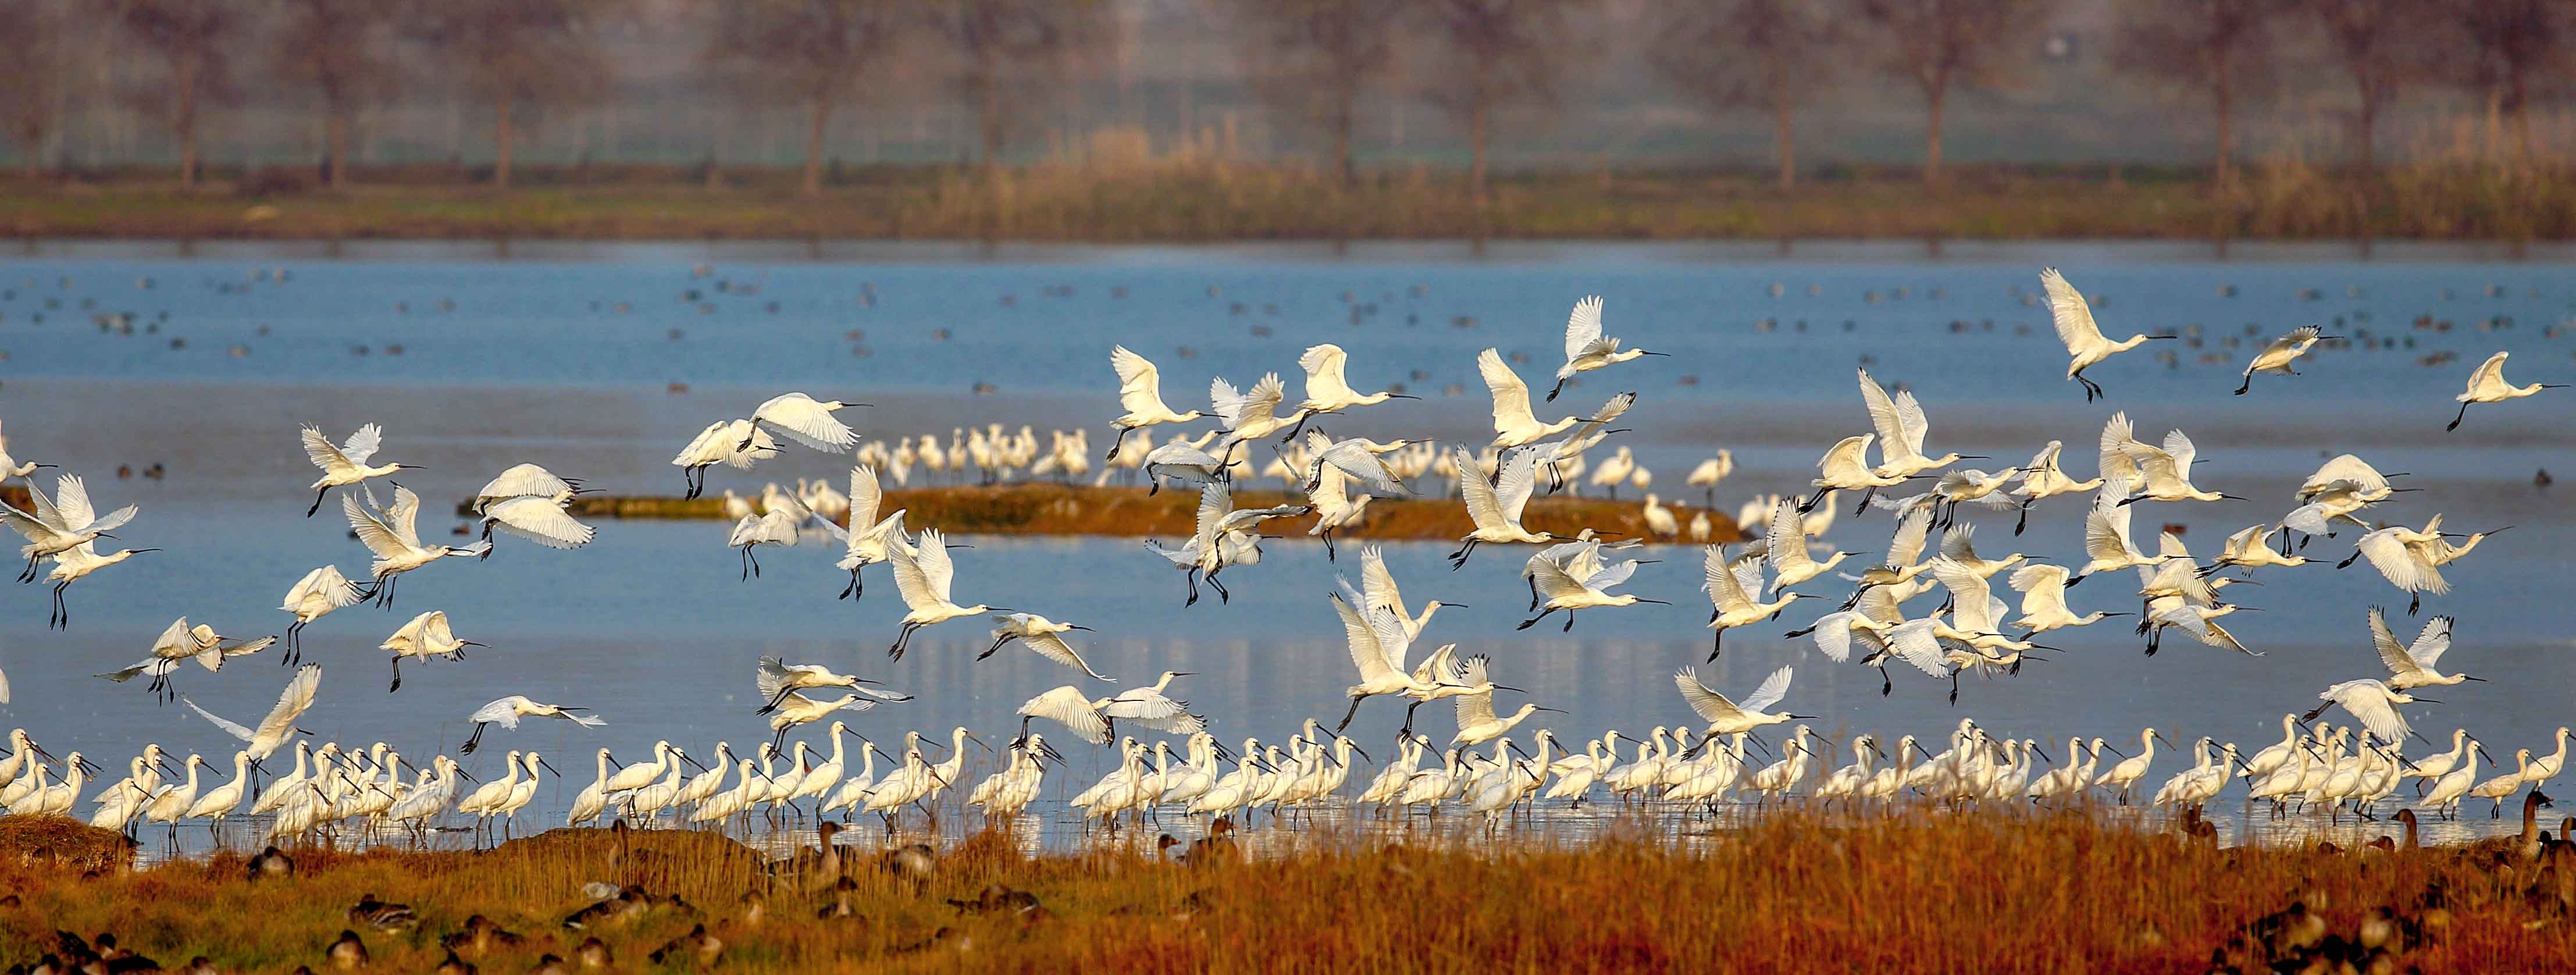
567,362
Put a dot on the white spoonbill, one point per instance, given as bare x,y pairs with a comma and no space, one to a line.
2414,665
182,643
60,523
10,467
2166,471
427,635
2043,600
781,525
530,501
2124,776
1326,389
1477,723
734,443
1564,592
924,578
1496,505
1901,425
2041,478
507,711
1148,706
2502,787
1726,717
1786,540
868,537
70,567
1251,415
777,678
797,709
1514,425
803,419
1730,588
347,463
2487,385
2373,704
1044,637
1845,467
393,534
1379,585
1586,349
2276,358
279,726
2085,344
1140,394
313,597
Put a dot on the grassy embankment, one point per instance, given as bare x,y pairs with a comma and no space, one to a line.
1050,509
1188,198
1795,891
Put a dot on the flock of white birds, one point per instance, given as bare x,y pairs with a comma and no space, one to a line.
2316,768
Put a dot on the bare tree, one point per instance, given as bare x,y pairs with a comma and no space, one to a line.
2382,46
993,39
35,41
1773,55
1502,51
2521,44
2220,47
519,57
193,39
1315,59
813,52
336,46
1944,45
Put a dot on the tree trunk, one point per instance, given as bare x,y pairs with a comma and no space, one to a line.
2222,92
501,136
1938,95
183,117
819,112
336,123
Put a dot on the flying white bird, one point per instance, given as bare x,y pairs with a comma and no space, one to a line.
1901,425
2084,342
1726,717
347,463
10,467
1845,467
1140,393
426,636
777,678
1496,506
276,729
734,443
1326,390
73,566
507,711
60,523
868,537
1514,426
1044,637
2414,665
781,525
2373,704
392,534
1252,415
1730,589
530,501
313,597
1564,592
2487,385
804,420
2041,478
2277,357
1585,347
924,579
2167,471
2043,601
181,643
1786,540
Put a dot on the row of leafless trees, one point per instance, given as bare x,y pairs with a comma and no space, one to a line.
1317,63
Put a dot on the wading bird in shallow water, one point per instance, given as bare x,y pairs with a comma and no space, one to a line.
1586,349
2085,345
345,464
507,711
2487,385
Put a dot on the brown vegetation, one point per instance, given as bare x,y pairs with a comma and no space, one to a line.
1797,891
1053,509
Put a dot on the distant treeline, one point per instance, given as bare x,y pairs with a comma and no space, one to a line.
1488,69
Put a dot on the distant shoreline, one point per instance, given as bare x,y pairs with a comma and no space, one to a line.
1241,203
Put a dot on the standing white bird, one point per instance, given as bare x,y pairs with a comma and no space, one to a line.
2413,665
2487,385
426,636
279,726
345,464
777,678
734,443
1326,389
394,536
2085,344
1140,393
803,419
2373,704
1727,717
924,579
530,501
1901,425
313,597
60,523
507,711
2277,357
1586,349
1496,506
1044,637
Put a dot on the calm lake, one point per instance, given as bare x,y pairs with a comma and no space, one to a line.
599,362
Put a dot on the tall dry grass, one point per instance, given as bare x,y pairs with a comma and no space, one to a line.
1795,891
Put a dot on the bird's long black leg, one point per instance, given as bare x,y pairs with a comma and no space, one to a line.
2024,520
1533,621
1569,621
397,684
1715,644
317,501
853,587
473,741
1223,596
1863,507
2455,421
1352,713
1192,579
